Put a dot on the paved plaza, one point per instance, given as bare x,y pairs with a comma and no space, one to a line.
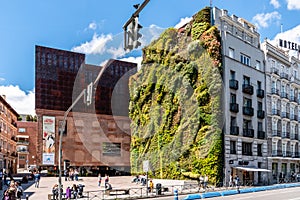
92,189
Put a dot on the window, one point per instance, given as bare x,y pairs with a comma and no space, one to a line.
257,66
232,98
258,85
246,80
231,52
295,74
233,121
232,75
259,149
247,124
247,148
22,130
232,147
111,149
22,157
259,126
259,105
247,102
245,59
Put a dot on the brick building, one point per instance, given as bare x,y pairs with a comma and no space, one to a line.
26,144
96,137
8,132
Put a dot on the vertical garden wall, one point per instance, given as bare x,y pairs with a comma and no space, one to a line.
175,104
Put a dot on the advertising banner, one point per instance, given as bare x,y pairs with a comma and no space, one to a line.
48,140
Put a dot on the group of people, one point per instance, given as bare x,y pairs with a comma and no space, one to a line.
107,185
140,179
71,174
203,181
14,191
71,192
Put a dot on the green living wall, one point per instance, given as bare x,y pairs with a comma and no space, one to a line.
175,104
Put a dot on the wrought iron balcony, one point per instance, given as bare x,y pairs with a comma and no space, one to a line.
260,114
277,153
234,130
285,114
276,133
248,133
275,112
233,84
248,111
234,107
261,135
248,89
274,91
285,135
260,93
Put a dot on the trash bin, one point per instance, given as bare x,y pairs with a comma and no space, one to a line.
158,189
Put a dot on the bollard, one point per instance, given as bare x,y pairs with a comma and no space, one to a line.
27,197
175,194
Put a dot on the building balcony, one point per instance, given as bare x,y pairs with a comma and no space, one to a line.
247,153
248,111
233,84
295,155
22,143
285,114
260,93
274,71
294,136
260,114
259,153
275,91
286,154
293,99
261,135
248,133
285,135
276,133
275,112
284,95
248,89
277,153
284,75
234,107
234,130
294,117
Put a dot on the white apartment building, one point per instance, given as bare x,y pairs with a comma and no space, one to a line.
245,141
283,108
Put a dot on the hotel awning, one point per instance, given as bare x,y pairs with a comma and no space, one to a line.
22,136
252,169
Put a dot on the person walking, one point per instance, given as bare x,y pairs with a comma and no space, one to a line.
20,190
99,179
37,178
68,193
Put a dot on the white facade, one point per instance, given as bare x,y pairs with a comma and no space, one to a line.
283,108
245,141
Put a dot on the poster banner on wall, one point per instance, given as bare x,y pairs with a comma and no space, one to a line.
48,140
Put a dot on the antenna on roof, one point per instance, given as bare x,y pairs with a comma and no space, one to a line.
281,27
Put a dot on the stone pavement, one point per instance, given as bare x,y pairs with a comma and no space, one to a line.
91,185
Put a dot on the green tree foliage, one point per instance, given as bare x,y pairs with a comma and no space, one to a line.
175,104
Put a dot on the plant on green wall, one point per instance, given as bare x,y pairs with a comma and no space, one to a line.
175,104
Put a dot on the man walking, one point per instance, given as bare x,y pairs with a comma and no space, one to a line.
37,178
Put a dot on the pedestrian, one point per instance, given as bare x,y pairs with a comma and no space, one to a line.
201,181
106,180
37,178
76,173
55,191
1,175
230,181
74,191
237,183
66,174
205,181
20,190
151,186
68,193
12,190
99,180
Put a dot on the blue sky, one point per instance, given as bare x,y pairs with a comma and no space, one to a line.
94,27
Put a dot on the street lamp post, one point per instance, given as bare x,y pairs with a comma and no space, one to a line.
63,124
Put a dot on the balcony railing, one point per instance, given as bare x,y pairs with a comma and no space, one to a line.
22,143
248,133
276,133
261,135
295,155
293,99
275,112
274,91
285,135
294,117
284,95
248,111
234,107
277,153
285,114
284,75
260,114
286,154
234,130
274,70
260,93
248,89
233,84
294,136
232,151
247,153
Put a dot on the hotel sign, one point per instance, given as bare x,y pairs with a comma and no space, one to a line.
289,45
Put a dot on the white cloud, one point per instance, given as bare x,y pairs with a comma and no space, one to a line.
96,46
275,3
263,20
183,21
116,52
2,79
93,26
22,102
293,4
